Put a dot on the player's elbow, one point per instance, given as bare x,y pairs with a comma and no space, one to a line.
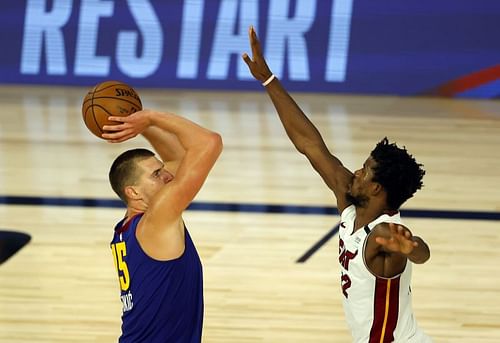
421,259
214,144
422,253
427,255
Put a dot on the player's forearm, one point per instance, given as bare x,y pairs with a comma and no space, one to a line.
188,133
298,127
421,253
165,143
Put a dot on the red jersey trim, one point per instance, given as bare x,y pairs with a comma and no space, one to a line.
385,310
127,225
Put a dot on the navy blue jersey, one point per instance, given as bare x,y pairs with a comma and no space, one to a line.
162,300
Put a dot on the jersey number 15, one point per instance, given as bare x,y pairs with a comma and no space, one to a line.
119,252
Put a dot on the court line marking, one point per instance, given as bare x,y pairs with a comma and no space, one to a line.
251,208
244,207
318,244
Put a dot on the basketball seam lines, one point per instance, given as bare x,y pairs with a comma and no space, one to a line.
93,114
109,86
115,98
94,91
104,108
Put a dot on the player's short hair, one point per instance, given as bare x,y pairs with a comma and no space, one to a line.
397,171
123,171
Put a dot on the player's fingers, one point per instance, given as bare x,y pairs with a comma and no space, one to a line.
118,127
107,135
132,135
381,240
123,139
247,59
254,42
251,39
250,33
393,228
404,232
115,135
400,230
119,119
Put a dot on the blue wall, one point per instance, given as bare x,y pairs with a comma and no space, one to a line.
409,47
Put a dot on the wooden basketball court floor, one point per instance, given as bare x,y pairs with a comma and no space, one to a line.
261,210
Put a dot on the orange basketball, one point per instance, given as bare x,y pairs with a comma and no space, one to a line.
110,98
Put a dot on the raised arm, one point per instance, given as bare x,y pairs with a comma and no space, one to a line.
167,145
303,134
201,149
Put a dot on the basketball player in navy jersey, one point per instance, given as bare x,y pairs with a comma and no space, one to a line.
159,270
375,249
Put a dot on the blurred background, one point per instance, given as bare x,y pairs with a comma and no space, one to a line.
361,47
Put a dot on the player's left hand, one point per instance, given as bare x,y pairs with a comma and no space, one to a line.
398,239
128,127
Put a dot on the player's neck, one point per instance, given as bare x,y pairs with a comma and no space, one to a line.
132,212
367,214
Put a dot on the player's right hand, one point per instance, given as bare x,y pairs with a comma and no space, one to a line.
397,239
128,127
257,64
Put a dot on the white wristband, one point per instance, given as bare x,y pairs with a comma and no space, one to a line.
268,81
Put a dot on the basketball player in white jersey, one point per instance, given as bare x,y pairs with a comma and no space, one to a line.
376,251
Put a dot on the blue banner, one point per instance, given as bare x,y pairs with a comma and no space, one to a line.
411,47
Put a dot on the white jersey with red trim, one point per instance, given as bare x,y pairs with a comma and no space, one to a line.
377,309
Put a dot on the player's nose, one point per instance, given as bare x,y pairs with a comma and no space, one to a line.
166,176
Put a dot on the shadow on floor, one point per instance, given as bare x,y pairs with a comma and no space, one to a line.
11,242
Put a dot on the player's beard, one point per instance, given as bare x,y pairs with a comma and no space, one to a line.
358,201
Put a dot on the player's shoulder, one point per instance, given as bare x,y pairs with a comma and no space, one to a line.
380,228
385,228
348,211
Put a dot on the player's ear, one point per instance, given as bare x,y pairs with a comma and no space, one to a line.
377,188
132,193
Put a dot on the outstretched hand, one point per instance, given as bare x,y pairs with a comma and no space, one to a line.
127,127
399,240
257,64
